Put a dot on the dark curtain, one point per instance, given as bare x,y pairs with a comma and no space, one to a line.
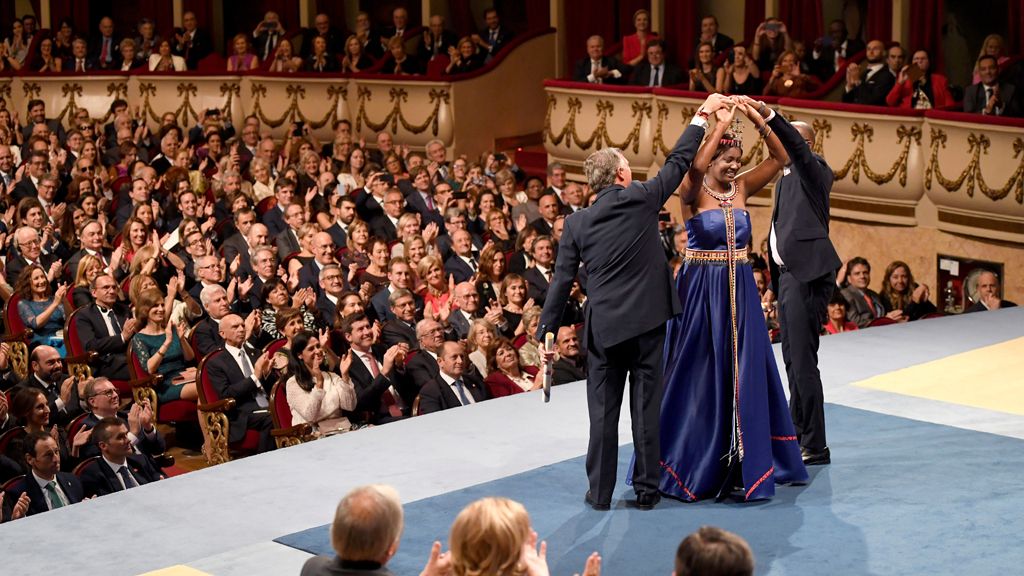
803,19
926,33
462,21
879,20
242,16
335,11
519,16
538,13
753,15
1015,43
204,13
626,10
78,12
682,28
584,18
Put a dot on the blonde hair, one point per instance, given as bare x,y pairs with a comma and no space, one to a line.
83,269
426,263
487,538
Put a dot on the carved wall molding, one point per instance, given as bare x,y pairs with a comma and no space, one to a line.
600,137
972,175
863,132
397,96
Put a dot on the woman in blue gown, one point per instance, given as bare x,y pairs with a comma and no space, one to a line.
725,423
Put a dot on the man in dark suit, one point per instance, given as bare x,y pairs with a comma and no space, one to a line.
288,239
871,84
463,262
454,386
191,42
238,243
37,115
436,40
91,238
37,165
990,96
27,250
61,392
344,212
375,381
106,328
323,256
399,277
571,365
46,486
402,328
492,39
235,374
385,225
550,207
538,278
79,62
366,530
988,294
429,204
206,334
803,266
284,189
596,68
332,291
709,33
422,367
322,27
267,35
103,49
831,52
656,72
104,402
118,468
630,300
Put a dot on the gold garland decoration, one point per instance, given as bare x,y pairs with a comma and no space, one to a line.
972,174
822,131
295,93
396,116
232,90
31,89
600,135
69,91
858,160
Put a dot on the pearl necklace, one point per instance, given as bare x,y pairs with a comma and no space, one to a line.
723,199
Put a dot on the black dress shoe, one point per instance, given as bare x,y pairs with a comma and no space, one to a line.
595,504
816,458
646,501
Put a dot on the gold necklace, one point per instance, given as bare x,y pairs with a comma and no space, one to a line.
723,199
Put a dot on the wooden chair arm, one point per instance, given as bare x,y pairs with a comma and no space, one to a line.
148,381
222,405
164,460
23,336
84,358
301,430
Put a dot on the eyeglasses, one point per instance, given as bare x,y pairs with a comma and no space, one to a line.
110,393
85,126
214,265
333,278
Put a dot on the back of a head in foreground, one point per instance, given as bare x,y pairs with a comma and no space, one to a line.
368,524
487,538
711,551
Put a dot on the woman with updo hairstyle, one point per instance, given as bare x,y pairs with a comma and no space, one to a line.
488,536
900,292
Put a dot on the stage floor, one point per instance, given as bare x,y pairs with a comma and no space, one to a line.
223,520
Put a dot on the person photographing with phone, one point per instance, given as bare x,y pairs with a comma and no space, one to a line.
918,88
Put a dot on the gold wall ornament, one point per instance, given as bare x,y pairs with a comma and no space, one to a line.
600,135
858,160
147,90
5,90
231,90
69,91
822,131
31,89
575,105
296,92
972,174
118,89
396,116
659,132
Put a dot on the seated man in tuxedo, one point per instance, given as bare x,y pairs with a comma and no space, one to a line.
206,334
656,72
990,96
549,207
118,467
91,238
375,381
106,327
61,392
332,289
103,402
462,264
596,68
871,84
571,365
386,225
237,373
28,251
399,277
284,190
367,527
264,267
455,386
323,256
422,367
46,486
237,245
988,294
538,278
402,327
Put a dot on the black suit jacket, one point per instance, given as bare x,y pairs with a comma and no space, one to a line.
565,370
100,480
227,379
96,47
503,38
72,407
16,263
582,70
537,285
274,221
24,189
338,234
381,227
630,286
825,65
873,90
421,369
286,243
458,268
437,395
801,212
670,74
414,203
112,361
974,99
367,207
207,336
77,257
235,245
426,51
69,483
394,331
200,46
147,446
370,408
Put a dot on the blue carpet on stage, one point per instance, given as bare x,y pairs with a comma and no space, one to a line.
901,497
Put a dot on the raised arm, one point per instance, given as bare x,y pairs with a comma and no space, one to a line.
680,159
695,174
756,178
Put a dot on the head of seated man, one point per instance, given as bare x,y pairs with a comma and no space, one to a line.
711,551
365,534
567,344
430,335
215,301
403,305
452,360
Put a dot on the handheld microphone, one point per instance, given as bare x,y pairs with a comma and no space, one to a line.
549,365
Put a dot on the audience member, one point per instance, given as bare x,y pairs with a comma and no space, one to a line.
706,76
787,80
901,294
634,46
494,37
315,395
238,373
375,380
164,60
656,72
864,304
833,51
872,83
989,96
267,36
59,389
481,338
117,468
917,87
367,527
993,46
464,57
191,42
243,59
741,74
711,551
107,327
895,58
46,486
709,33
455,385
836,321
596,68
988,295
506,372
284,59
571,365
437,40
320,59
771,40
